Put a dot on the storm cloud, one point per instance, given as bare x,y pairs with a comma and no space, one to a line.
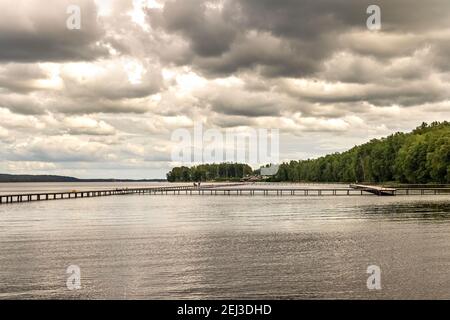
103,101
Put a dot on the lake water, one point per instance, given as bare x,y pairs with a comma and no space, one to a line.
214,247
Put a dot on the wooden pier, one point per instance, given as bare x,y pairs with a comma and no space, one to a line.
250,191
235,189
421,191
45,196
378,190
27,197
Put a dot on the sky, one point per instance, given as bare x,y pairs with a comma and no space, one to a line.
103,101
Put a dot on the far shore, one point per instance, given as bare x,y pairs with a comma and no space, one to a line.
8,178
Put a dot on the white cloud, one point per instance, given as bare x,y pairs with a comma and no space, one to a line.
104,101
82,125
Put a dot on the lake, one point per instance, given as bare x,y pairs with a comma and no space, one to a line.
223,247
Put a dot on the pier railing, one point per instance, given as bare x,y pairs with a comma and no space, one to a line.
12,198
43,196
225,189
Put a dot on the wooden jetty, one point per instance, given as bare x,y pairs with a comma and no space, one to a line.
237,189
423,191
378,190
27,197
251,191
44,196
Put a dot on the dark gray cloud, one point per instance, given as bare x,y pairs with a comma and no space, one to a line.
230,121
113,92
240,103
207,30
22,104
113,86
404,94
308,19
20,78
292,38
33,31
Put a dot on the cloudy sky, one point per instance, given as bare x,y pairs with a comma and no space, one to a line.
103,101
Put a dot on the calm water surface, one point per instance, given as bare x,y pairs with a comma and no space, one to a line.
198,247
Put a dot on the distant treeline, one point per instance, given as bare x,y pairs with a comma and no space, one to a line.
53,178
209,172
35,178
422,156
419,157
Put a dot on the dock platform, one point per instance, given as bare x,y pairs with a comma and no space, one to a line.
236,189
378,190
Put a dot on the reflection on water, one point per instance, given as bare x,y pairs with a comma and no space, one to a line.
420,210
226,247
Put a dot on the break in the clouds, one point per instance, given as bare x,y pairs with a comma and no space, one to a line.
103,101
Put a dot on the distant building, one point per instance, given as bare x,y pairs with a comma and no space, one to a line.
249,178
270,171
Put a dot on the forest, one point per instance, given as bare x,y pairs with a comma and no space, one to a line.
210,172
421,156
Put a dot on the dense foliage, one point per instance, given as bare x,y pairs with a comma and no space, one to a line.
209,172
421,156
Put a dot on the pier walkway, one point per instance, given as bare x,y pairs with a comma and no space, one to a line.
28,197
378,190
230,189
